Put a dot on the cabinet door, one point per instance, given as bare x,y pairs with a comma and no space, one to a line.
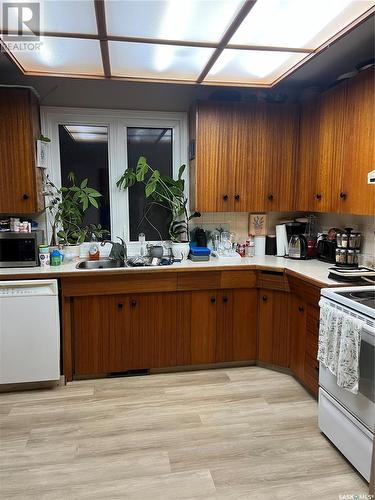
203,327
244,326
123,332
357,196
100,330
298,336
273,327
20,182
214,163
280,148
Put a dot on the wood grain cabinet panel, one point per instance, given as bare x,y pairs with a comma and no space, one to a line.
203,327
20,179
116,333
356,196
240,151
297,336
273,327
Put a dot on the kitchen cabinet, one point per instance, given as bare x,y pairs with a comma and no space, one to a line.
239,148
336,149
304,333
273,327
355,195
20,180
116,333
223,326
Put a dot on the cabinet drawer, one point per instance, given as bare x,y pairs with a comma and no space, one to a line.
238,279
272,280
202,280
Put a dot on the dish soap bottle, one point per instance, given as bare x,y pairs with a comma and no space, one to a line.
94,252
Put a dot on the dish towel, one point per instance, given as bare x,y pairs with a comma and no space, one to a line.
339,345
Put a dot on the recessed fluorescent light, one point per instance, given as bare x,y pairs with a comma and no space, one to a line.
87,133
89,137
296,23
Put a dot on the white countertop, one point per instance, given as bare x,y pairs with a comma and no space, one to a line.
311,269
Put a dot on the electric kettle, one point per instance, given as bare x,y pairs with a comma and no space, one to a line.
297,247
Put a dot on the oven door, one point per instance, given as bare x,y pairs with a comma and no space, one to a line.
361,405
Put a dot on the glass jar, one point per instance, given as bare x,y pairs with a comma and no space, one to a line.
356,256
350,257
340,256
339,239
344,240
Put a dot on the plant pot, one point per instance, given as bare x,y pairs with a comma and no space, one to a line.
71,252
180,250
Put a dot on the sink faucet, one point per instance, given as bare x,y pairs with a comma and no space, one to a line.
119,251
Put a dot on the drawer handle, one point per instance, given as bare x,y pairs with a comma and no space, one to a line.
270,197
120,306
301,309
237,197
318,196
225,197
133,303
264,298
225,300
213,300
25,196
343,195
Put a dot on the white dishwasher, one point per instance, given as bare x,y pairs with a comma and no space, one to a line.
29,331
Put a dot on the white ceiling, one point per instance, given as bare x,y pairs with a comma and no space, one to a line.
214,42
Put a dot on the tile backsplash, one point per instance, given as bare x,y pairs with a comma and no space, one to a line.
238,224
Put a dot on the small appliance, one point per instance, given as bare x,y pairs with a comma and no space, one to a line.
326,249
297,247
20,249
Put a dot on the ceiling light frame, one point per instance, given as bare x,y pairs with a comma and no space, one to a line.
103,37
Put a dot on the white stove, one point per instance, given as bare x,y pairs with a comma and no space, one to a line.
348,419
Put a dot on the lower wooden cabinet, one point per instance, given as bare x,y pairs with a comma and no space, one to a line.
304,333
116,333
273,327
122,332
223,326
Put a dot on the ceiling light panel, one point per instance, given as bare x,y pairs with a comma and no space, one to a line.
64,56
297,23
191,20
146,60
251,66
68,16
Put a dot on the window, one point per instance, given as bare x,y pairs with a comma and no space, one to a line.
84,151
100,145
144,216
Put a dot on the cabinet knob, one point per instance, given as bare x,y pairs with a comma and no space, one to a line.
237,197
343,195
264,298
318,196
25,196
270,197
225,197
120,306
213,300
225,300
301,308
133,303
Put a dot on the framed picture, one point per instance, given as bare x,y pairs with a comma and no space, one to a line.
258,224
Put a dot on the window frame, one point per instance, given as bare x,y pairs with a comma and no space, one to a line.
117,121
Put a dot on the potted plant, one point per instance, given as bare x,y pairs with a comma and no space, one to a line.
67,207
166,192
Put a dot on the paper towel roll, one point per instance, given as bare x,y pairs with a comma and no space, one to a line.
260,245
281,240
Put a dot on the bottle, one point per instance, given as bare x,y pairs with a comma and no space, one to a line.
250,246
142,244
55,259
94,252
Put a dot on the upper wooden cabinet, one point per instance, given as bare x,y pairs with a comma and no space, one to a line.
358,158
336,149
20,179
244,156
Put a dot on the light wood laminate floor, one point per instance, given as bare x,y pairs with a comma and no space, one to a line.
240,433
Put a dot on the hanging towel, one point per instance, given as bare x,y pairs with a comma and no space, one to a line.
339,345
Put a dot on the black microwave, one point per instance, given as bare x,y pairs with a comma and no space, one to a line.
20,249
